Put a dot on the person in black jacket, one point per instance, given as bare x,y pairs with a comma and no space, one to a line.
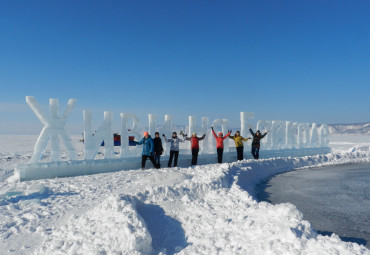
256,142
158,149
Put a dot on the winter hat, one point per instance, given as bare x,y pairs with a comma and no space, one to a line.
220,134
156,133
146,133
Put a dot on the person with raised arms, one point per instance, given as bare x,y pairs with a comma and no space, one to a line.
238,139
174,149
220,143
194,140
256,142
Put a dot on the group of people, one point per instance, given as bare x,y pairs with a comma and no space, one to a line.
153,149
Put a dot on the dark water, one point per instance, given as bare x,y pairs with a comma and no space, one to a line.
333,199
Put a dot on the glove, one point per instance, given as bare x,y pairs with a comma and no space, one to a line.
212,128
163,135
229,131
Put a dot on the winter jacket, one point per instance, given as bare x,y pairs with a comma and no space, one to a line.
239,140
158,149
220,140
148,146
195,141
174,143
256,138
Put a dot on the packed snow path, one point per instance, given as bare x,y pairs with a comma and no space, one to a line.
208,209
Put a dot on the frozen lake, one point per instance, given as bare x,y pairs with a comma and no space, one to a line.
333,199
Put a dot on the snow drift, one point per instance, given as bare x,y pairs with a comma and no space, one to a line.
208,209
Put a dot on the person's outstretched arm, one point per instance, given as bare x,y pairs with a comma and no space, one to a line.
164,137
214,134
250,129
229,133
141,142
262,136
245,139
201,138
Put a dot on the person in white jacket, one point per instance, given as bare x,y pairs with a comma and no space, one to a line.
174,150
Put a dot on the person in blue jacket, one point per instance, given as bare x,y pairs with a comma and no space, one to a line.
148,150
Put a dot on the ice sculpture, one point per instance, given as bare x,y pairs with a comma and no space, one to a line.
152,124
324,135
314,136
244,116
282,135
205,142
167,132
127,131
53,129
278,136
289,135
93,139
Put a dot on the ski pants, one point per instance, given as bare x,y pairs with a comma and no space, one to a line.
239,152
256,152
172,154
144,158
220,152
194,158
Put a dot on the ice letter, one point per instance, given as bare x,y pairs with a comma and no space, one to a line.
205,142
152,124
244,116
126,131
104,133
289,135
303,135
167,131
314,136
324,135
53,128
279,134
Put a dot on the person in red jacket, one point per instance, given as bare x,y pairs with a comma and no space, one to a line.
220,143
194,140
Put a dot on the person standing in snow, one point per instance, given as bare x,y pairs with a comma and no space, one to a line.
256,142
220,143
238,139
148,150
194,140
174,149
158,149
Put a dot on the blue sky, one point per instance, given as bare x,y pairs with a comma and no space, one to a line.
306,61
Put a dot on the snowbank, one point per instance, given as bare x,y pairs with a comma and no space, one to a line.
208,209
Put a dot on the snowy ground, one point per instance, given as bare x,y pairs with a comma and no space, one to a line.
206,210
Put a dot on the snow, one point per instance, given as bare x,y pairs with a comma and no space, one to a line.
208,209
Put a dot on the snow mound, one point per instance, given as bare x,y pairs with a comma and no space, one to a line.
115,222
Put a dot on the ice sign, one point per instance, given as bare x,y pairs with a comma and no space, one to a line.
53,129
